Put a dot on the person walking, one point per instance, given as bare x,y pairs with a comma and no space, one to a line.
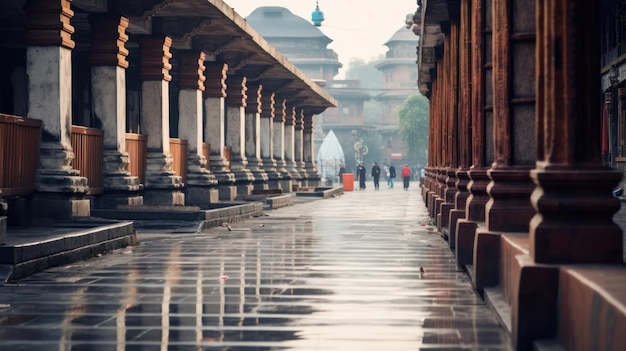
360,173
392,175
342,170
376,175
405,172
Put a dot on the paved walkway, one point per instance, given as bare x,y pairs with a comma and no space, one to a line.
335,274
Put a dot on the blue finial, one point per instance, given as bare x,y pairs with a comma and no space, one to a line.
317,16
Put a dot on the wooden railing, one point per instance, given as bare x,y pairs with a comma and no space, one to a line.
227,157
206,152
137,149
88,147
19,154
178,149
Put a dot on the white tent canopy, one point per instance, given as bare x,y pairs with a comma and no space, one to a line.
330,157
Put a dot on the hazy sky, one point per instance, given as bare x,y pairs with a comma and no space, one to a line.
358,28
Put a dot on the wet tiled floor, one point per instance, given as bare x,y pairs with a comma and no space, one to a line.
335,274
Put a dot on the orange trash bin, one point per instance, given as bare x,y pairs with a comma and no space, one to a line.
348,181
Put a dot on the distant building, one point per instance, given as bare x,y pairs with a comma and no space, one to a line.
296,38
399,82
305,46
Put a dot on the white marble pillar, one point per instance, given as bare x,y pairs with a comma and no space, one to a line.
290,121
235,133
108,86
214,128
267,140
297,146
253,136
200,187
278,139
162,186
308,153
59,189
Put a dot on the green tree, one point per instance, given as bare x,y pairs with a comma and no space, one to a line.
366,72
371,81
413,126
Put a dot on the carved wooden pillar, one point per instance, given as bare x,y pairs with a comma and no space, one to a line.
573,198
482,125
509,209
59,188
449,189
464,120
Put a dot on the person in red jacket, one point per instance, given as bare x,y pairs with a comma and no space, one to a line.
406,175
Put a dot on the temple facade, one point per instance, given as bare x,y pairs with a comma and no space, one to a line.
518,178
112,104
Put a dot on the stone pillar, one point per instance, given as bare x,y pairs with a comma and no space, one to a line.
108,86
267,142
308,153
235,133
298,140
253,136
279,145
289,130
59,189
214,111
200,187
162,186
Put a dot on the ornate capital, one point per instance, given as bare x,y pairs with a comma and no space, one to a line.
48,23
155,58
236,91
267,105
108,41
192,70
215,83
253,103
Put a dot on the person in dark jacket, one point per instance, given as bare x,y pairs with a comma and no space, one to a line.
360,173
392,175
376,175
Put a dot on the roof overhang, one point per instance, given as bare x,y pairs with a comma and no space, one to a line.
223,35
436,16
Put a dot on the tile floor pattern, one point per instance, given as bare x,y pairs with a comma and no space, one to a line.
335,274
